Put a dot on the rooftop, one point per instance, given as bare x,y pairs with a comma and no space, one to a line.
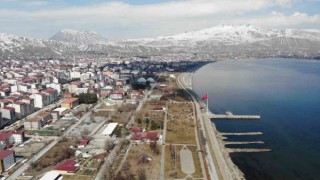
71,100
5,153
68,165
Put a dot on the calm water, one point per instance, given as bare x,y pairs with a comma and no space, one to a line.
286,93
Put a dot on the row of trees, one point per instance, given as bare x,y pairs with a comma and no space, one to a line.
87,98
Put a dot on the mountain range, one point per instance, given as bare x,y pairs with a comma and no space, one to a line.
223,41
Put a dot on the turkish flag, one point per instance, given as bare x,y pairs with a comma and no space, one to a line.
205,97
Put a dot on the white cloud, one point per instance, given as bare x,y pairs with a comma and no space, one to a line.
118,19
276,19
174,9
26,3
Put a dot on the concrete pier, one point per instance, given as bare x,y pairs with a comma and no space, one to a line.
249,142
233,150
241,134
230,115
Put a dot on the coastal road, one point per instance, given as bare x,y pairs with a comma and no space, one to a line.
227,172
37,156
209,158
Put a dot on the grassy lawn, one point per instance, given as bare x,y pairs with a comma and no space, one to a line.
152,167
58,153
77,177
180,125
172,169
197,164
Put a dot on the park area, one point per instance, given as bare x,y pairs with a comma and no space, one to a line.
61,151
180,124
173,166
142,162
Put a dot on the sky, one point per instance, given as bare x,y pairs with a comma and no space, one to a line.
122,19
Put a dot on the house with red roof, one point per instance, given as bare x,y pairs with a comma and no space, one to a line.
84,142
146,136
67,167
135,130
7,159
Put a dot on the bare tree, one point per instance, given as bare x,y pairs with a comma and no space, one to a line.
108,145
141,174
84,132
126,166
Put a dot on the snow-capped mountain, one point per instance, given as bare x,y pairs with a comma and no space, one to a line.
78,37
224,41
237,34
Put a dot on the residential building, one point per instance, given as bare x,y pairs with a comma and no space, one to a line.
38,121
20,109
70,103
40,100
7,159
55,86
109,129
116,96
8,114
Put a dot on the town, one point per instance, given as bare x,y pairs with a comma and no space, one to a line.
98,119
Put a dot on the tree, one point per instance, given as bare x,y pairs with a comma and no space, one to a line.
126,166
87,98
84,132
154,125
108,145
147,120
141,174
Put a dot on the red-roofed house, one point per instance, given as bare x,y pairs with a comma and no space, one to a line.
84,142
158,107
67,167
146,136
135,130
150,135
52,94
136,137
70,103
7,159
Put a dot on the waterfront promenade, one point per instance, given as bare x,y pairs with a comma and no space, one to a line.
219,162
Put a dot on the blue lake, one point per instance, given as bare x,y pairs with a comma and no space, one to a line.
286,93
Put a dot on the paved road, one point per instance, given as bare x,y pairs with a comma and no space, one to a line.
163,151
25,166
49,107
131,121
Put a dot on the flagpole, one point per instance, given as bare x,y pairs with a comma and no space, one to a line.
207,104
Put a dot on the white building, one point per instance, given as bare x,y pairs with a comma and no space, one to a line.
109,129
81,91
75,74
40,100
55,86
85,76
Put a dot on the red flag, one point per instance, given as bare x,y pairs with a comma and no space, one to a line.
205,97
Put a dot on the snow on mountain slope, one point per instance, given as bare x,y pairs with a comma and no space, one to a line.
243,40
236,34
78,37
